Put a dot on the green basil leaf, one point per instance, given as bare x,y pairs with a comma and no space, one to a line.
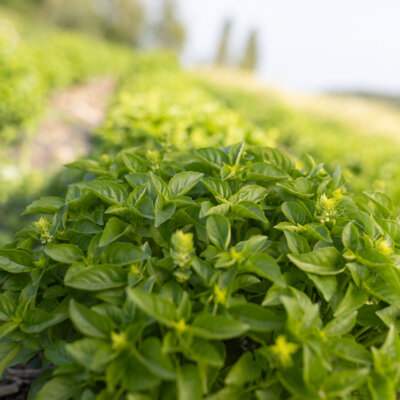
294,212
163,210
114,229
58,388
342,324
7,307
264,266
350,237
203,351
93,354
259,319
123,254
64,253
326,284
183,182
212,157
341,383
97,277
265,172
324,261
45,205
217,327
189,383
109,191
89,322
153,358
249,209
38,320
154,305
300,187
15,261
219,230
245,370
218,187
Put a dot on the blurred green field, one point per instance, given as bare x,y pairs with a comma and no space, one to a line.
156,99
182,187
363,137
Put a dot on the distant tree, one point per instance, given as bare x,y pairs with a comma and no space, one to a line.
223,46
127,21
74,14
170,31
22,5
250,56
120,20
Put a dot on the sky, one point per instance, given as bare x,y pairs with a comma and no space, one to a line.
304,45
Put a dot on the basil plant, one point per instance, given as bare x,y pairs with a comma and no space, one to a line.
216,273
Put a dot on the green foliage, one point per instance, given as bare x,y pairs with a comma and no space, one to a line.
118,20
34,63
21,89
367,160
31,68
166,104
210,274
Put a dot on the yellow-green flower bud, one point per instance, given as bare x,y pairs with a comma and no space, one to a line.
44,226
220,294
237,256
283,350
182,248
384,246
328,204
180,326
119,340
154,157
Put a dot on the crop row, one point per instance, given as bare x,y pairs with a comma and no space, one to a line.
34,62
185,261
165,104
180,269
206,273
31,68
367,160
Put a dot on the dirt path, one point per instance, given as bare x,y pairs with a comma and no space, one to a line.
73,113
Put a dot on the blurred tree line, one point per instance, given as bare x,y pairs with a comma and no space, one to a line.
119,20
249,58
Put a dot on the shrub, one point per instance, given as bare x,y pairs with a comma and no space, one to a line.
21,89
161,104
215,273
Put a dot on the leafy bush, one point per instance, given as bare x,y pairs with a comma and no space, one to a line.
168,104
63,58
32,65
21,89
212,273
34,61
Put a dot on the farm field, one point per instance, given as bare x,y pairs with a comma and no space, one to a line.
208,239
360,135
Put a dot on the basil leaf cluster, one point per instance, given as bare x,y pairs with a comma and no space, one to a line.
214,273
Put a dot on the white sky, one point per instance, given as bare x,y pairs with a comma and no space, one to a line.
305,44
